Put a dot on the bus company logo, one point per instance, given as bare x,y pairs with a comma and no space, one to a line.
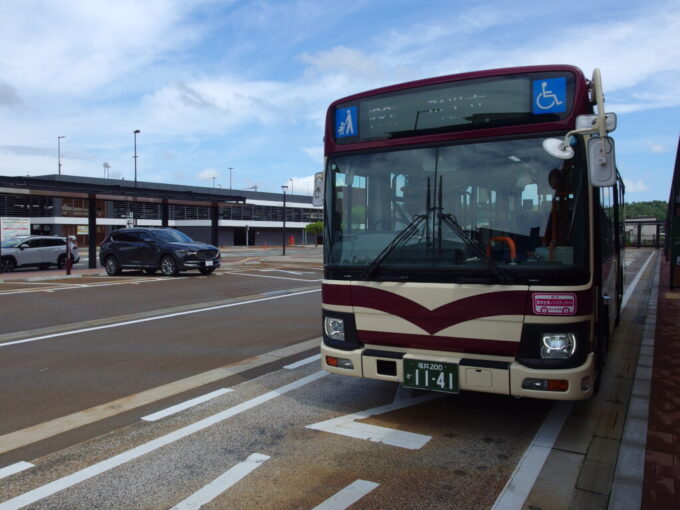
554,304
346,122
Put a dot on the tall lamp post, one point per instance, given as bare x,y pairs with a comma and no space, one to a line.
135,133
230,169
59,153
284,188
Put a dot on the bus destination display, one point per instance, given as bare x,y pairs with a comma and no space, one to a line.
471,104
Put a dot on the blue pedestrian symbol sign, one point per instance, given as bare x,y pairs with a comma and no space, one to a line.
346,122
550,95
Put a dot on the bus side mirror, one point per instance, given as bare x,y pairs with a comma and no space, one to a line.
317,198
601,161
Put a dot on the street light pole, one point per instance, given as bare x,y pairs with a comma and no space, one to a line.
230,169
136,132
59,152
284,188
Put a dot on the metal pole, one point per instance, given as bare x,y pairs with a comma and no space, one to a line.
136,131
284,188
230,169
59,153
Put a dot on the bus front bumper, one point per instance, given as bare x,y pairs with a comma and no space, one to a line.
503,376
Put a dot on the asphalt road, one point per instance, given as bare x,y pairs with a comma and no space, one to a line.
91,372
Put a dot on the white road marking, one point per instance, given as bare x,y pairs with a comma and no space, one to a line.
15,468
222,483
303,362
68,286
158,317
59,485
30,435
633,284
274,277
346,426
185,405
297,273
523,478
347,496
515,493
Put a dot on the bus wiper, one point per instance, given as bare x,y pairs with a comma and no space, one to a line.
409,231
453,224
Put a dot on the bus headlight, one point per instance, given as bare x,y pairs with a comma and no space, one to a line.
334,328
558,345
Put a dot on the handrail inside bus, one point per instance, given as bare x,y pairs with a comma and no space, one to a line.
507,240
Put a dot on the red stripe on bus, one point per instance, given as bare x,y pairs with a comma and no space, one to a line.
440,343
474,307
510,302
336,294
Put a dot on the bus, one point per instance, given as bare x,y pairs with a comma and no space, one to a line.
473,229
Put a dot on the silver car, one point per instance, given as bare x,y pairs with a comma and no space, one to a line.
38,251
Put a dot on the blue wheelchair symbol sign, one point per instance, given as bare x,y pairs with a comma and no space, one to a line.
346,122
550,95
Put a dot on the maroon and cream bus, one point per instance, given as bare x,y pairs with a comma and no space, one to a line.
473,230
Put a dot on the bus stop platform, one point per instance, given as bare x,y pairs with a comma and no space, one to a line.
620,450
661,487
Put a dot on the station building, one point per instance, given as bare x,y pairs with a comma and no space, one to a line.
63,205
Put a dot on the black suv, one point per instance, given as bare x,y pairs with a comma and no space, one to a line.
152,249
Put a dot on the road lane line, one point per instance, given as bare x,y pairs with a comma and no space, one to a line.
35,433
185,405
273,277
154,318
633,284
303,362
15,468
515,492
346,425
222,483
347,496
68,286
59,485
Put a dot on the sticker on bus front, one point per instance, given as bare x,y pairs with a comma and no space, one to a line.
346,122
550,96
554,304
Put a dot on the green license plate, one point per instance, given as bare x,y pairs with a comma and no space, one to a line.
431,375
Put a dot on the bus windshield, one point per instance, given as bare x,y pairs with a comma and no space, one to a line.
493,207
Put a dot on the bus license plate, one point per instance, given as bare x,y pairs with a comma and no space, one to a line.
431,375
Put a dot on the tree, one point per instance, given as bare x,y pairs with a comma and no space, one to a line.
653,209
315,229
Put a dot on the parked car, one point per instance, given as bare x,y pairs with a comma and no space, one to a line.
152,249
38,251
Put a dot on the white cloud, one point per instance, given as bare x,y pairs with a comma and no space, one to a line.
635,186
315,154
208,174
657,148
46,47
302,185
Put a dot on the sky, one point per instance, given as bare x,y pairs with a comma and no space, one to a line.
245,84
